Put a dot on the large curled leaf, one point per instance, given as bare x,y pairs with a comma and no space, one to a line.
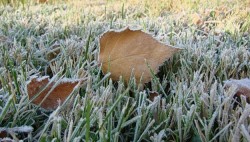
132,50
47,95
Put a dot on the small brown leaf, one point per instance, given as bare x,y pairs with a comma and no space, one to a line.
55,51
3,134
60,92
152,95
52,54
196,19
242,86
129,51
42,1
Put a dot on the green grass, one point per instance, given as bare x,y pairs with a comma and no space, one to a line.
193,105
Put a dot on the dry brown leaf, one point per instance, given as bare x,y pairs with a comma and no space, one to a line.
3,134
59,93
197,19
242,86
153,95
127,50
42,1
54,52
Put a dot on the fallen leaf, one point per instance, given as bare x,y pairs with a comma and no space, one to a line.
54,52
128,51
59,93
153,95
3,134
42,1
197,19
242,86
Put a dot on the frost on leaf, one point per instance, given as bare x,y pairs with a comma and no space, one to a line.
242,86
132,52
47,94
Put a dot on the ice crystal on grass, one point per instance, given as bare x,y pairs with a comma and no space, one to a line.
20,129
